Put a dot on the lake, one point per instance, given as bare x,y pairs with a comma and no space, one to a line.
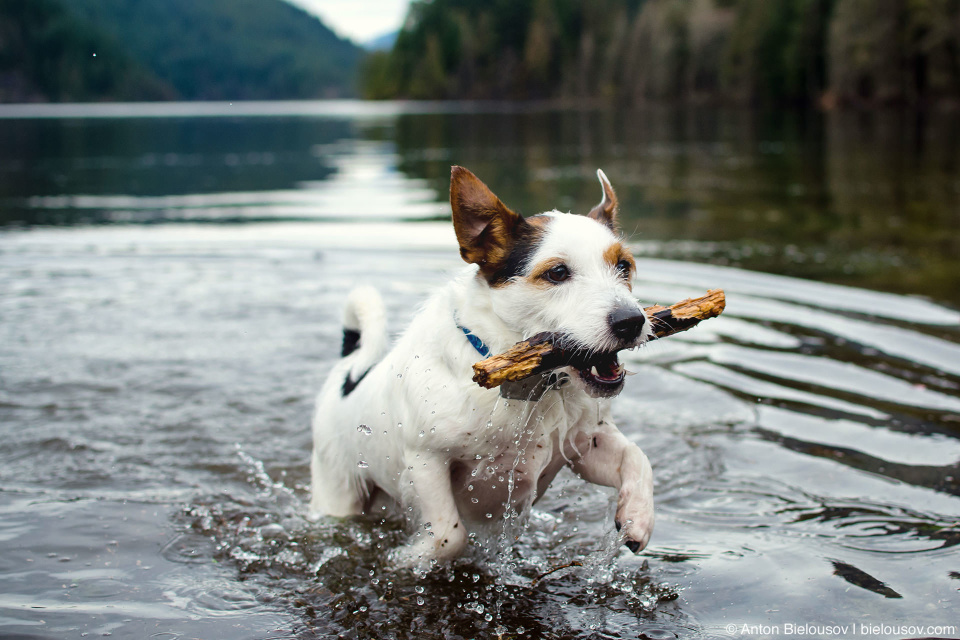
171,280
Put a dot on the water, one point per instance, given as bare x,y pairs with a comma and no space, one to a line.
170,298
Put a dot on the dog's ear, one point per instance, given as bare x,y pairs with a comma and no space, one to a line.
485,227
606,211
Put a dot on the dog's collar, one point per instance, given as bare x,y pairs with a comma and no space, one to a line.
477,343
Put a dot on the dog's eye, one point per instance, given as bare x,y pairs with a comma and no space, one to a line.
557,274
623,268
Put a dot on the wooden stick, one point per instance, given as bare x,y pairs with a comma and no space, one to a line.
538,353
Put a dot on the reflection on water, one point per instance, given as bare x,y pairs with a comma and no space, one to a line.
865,199
156,380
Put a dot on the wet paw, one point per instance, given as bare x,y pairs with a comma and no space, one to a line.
407,557
635,537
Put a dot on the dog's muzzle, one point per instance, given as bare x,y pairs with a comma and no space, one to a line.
602,375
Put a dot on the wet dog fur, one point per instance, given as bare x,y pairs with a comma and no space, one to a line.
408,426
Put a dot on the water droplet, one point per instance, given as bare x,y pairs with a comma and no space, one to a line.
418,588
488,617
363,464
469,487
365,430
474,500
273,530
433,429
399,425
421,434
399,375
428,525
489,515
478,457
420,600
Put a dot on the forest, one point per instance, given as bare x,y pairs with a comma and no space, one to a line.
754,52
82,50
820,53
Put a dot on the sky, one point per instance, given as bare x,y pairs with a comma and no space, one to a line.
359,20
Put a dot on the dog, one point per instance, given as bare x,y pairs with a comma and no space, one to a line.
408,427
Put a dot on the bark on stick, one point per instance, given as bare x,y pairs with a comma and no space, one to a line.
538,354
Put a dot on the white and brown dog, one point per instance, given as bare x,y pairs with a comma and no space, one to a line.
409,427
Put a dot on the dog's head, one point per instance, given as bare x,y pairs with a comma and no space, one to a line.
558,272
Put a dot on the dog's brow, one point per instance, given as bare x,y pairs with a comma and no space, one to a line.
542,267
617,252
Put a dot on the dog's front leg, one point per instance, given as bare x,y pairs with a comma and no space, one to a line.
607,458
439,532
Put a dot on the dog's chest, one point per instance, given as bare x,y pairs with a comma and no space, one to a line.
493,426
512,456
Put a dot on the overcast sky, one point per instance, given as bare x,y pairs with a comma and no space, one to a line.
359,20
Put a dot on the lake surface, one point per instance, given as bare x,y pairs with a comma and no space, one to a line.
171,279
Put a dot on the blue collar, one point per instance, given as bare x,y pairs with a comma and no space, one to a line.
477,343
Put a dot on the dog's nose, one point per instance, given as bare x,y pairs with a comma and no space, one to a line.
626,323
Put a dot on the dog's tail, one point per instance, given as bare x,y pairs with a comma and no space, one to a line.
364,330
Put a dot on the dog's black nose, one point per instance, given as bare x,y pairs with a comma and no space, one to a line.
626,323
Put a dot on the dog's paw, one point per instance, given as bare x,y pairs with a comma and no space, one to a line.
412,557
634,517
425,553
635,527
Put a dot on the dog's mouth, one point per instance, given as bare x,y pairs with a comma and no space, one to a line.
603,374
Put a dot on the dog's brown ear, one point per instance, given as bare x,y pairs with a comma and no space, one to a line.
606,211
485,226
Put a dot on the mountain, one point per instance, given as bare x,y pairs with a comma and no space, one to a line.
47,54
183,49
381,43
229,49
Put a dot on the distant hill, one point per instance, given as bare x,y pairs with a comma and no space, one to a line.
47,54
381,43
163,49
